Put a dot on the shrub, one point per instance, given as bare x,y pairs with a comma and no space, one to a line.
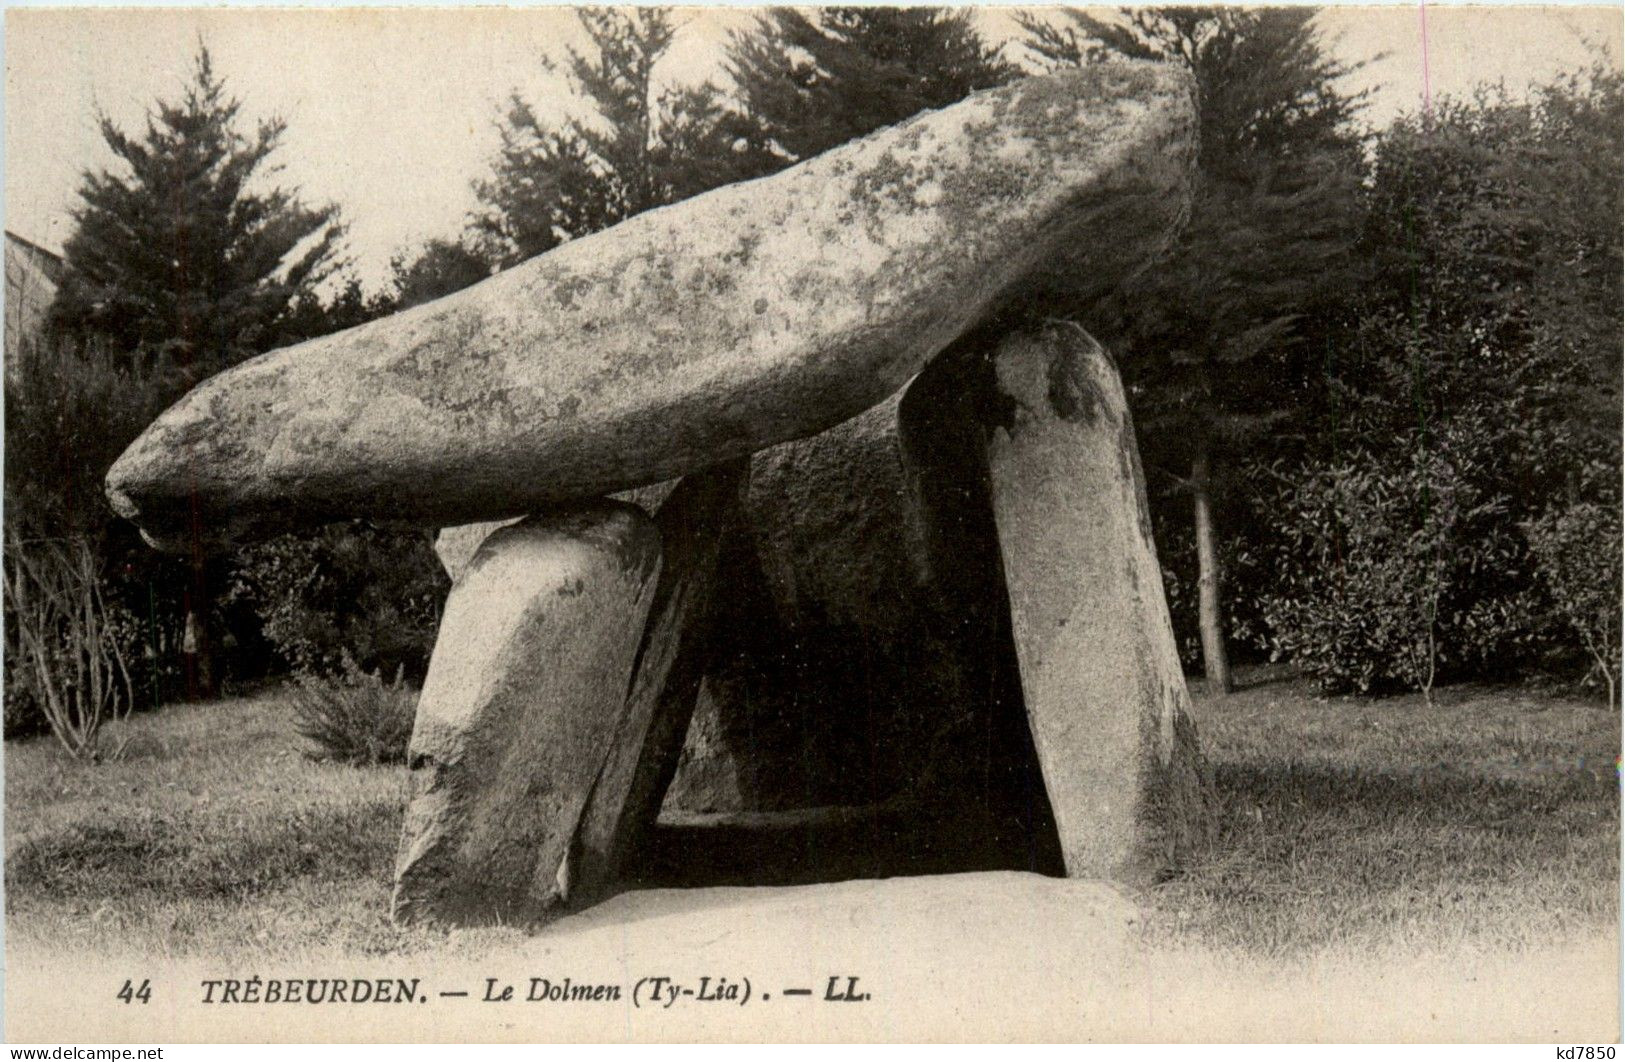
70,410
354,717
24,715
1576,550
71,655
1396,574
368,591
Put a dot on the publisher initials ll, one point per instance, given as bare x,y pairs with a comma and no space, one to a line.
834,994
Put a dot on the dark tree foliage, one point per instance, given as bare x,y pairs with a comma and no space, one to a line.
70,412
809,80
440,268
175,252
1208,333
801,85
358,591
311,315
1496,235
71,409
1265,82
1478,399
1216,339
644,145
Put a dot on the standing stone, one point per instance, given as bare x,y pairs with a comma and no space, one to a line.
693,521
1106,699
700,332
456,546
525,695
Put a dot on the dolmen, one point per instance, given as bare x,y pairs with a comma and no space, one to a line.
599,428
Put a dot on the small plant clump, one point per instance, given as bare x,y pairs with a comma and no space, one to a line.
355,717
1576,552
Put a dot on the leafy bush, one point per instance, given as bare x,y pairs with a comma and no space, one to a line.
372,592
70,411
1392,577
354,717
1576,550
73,655
1432,525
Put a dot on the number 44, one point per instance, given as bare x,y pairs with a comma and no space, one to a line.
129,993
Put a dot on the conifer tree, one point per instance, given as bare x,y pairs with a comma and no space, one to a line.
175,250
643,146
801,85
1209,337
809,81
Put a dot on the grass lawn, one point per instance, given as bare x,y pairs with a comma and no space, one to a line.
1489,820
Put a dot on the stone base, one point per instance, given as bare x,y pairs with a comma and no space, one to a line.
952,600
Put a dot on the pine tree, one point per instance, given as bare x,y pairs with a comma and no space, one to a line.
1210,336
801,86
807,82
173,253
440,268
181,260
644,146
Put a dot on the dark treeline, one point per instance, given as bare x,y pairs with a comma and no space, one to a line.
1377,380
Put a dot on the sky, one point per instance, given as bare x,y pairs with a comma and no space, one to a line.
392,113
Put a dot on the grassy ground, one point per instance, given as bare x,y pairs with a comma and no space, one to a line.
212,835
1487,820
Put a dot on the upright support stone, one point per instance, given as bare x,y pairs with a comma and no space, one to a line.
525,695
643,755
1100,673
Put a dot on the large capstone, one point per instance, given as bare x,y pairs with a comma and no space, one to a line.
758,313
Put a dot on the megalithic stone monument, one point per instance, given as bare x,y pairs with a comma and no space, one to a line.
668,356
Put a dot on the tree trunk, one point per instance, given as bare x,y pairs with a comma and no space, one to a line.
1215,660
198,638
